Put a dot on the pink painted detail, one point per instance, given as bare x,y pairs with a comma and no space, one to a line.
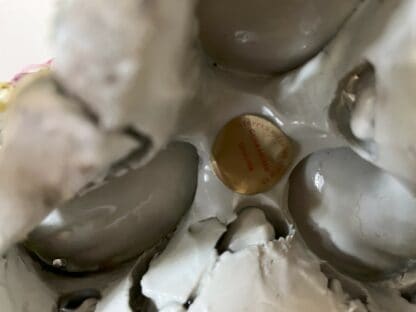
30,70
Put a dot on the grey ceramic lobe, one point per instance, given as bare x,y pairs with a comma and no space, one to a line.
268,36
118,221
352,214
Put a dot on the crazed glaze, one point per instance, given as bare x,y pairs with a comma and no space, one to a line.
353,214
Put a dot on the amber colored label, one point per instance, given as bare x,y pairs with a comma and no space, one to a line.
251,154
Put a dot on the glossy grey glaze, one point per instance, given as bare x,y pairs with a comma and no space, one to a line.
269,36
352,214
118,221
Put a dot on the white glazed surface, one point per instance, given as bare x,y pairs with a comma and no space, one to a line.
298,102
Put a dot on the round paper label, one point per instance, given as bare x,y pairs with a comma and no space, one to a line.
251,154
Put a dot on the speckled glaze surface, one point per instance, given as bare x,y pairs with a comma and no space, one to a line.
338,225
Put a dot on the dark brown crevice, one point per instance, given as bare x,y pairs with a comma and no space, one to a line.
409,294
349,285
137,301
220,246
46,267
74,300
144,141
409,297
189,302
87,112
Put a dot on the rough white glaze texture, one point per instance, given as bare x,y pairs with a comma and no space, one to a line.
270,275
132,63
45,130
29,190
173,281
251,228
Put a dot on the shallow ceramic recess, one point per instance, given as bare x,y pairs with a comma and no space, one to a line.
357,87
119,219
